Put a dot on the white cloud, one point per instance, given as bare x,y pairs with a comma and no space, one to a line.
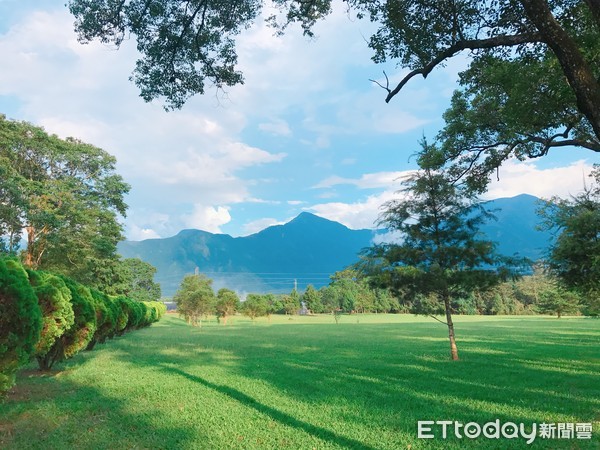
295,202
207,218
258,225
278,127
356,215
526,178
136,233
368,180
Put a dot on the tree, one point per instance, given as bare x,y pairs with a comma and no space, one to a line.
558,301
20,320
574,257
138,280
195,298
312,299
67,197
291,302
227,305
254,306
440,256
185,43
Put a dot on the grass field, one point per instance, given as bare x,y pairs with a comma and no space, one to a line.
307,383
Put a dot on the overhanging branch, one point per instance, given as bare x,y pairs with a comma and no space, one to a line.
471,44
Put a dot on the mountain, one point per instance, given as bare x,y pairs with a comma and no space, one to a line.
515,228
306,250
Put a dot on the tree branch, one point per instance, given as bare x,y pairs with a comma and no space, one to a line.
472,44
440,321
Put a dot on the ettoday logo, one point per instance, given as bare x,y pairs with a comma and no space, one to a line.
441,429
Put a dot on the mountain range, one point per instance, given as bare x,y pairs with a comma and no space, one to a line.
306,250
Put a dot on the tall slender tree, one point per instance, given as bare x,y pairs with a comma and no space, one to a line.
441,255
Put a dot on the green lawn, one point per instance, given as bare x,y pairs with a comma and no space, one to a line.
307,383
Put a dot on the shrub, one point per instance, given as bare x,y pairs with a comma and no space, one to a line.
54,299
106,317
81,333
20,320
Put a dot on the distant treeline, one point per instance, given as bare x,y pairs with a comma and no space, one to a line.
349,292
51,317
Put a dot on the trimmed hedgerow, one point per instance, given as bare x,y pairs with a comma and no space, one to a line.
78,336
52,317
106,317
20,320
54,299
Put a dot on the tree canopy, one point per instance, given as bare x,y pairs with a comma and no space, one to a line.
67,197
574,257
549,47
195,298
440,255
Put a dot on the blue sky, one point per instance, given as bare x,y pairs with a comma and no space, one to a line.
306,132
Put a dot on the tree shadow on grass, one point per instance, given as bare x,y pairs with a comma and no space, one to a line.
53,412
274,414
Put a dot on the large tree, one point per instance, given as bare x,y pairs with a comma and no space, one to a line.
550,47
440,256
67,197
574,257
228,303
195,298
136,280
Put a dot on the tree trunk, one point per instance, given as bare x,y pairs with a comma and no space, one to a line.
453,348
29,259
577,70
91,345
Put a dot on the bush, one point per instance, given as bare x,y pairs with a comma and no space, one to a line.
106,318
54,299
81,333
20,320
123,308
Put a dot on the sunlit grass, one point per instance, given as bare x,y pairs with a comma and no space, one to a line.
305,382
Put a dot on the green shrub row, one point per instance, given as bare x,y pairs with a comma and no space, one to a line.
51,317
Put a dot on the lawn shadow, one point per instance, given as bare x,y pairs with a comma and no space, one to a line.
385,377
274,414
53,412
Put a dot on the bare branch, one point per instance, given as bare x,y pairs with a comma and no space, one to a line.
440,321
387,83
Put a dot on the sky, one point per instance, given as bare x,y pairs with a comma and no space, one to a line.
307,131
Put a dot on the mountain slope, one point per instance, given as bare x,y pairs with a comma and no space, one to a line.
306,250
515,228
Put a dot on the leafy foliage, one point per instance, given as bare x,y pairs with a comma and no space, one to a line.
54,299
20,320
551,48
184,45
440,256
67,197
312,299
228,303
195,298
574,258
255,306
137,279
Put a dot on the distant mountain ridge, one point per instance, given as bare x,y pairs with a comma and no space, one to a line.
306,250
